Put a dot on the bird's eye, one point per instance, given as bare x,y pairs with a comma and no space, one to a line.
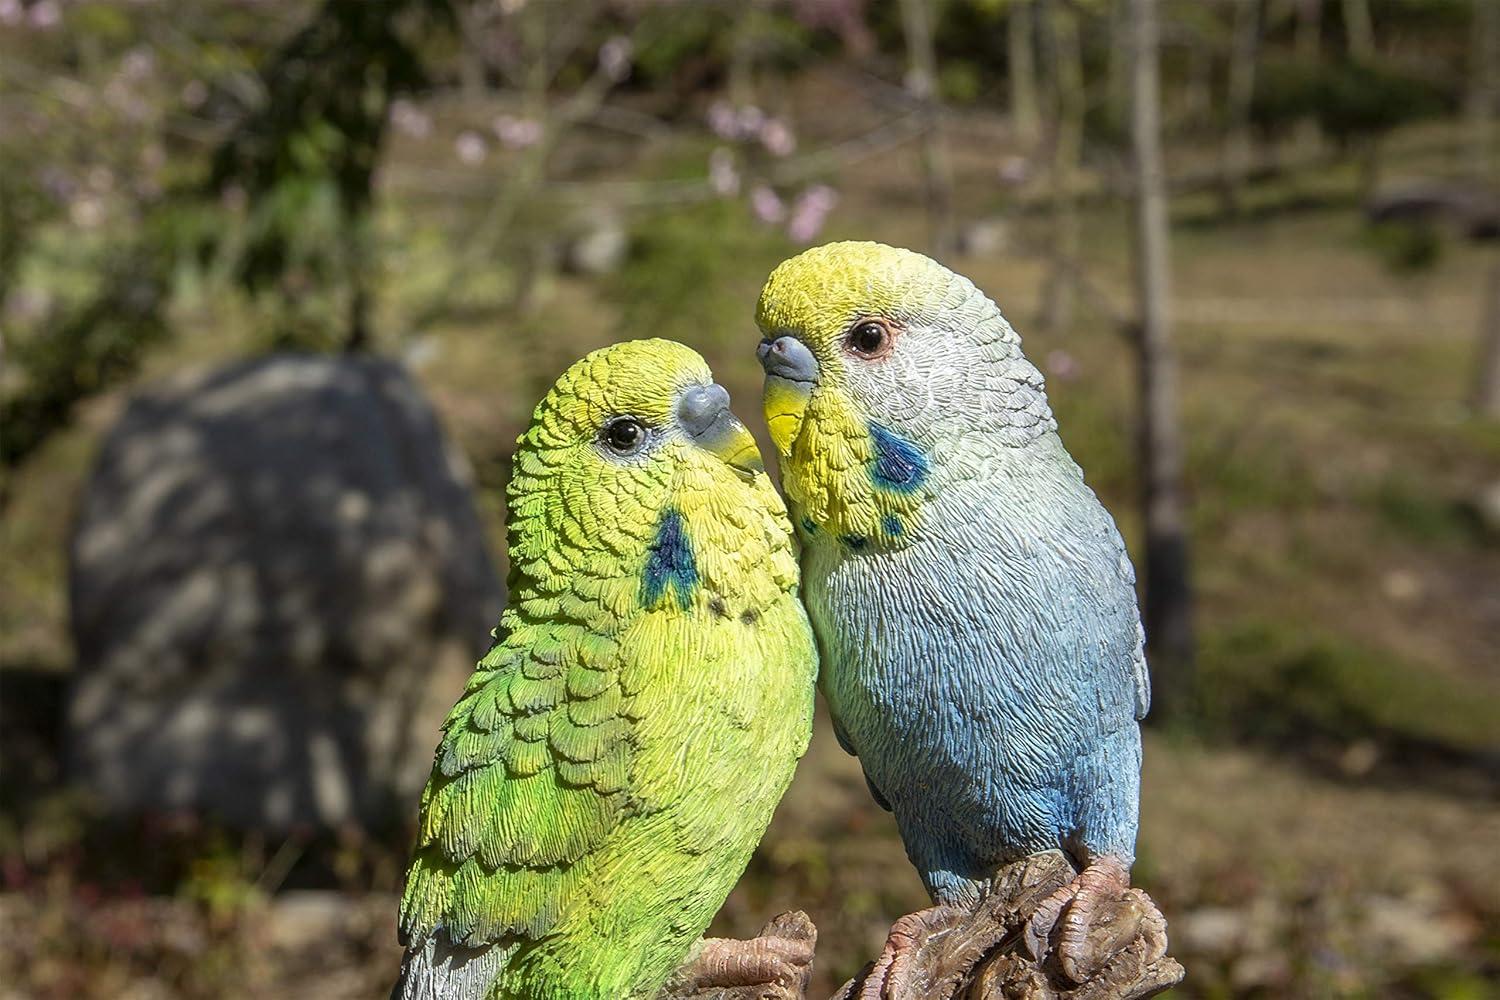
868,339
624,435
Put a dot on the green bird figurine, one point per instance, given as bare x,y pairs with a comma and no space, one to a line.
617,755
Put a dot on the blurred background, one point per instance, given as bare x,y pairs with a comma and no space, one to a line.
281,280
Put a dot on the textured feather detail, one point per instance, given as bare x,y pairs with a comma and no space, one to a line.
616,755
436,970
983,646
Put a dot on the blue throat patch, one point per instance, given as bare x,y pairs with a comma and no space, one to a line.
899,465
670,563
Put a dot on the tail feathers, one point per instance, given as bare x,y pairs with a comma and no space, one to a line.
436,969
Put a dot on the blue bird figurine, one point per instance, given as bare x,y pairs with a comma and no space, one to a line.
974,604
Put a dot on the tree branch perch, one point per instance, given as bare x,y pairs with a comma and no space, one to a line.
979,955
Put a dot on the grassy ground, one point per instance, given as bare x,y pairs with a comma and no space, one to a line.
1327,828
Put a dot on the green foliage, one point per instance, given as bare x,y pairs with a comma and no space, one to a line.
1357,100
682,276
1421,513
1289,684
90,348
687,41
685,47
305,158
1418,16
1350,101
960,82
972,34
1405,247
1246,472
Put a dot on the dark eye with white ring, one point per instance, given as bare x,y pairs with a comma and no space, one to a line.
868,339
623,435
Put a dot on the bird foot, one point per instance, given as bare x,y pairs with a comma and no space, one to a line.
888,977
982,955
1089,920
774,965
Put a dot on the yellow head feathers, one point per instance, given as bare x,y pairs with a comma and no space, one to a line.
819,292
878,362
635,444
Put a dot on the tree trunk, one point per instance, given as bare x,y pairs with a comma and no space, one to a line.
1243,49
1483,100
1168,590
742,51
472,64
1309,48
1309,35
1117,67
356,262
1487,387
921,83
1020,41
1197,97
1359,30
1067,99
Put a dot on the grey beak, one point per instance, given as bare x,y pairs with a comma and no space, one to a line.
788,358
704,416
702,408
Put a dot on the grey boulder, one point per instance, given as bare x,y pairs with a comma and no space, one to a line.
278,585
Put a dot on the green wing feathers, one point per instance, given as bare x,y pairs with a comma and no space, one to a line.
530,776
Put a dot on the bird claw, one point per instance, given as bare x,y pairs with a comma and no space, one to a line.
889,974
1089,920
775,964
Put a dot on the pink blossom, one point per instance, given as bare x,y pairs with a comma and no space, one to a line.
614,57
749,120
810,212
138,63
470,147
767,204
723,173
45,14
11,12
722,120
1062,366
409,119
58,183
122,97
86,211
194,93
1015,170
776,135
27,304
516,133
